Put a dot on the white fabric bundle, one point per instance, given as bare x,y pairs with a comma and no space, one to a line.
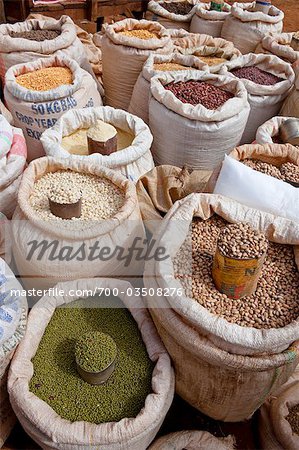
279,45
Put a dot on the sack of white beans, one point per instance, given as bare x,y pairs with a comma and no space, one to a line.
268,133
278,45
97,240
199,440
218,361
290,107
126,46
154,65
268,81
246,28
177,14
69,136
206,21
36,110
201,132
17,49
40,420
13,153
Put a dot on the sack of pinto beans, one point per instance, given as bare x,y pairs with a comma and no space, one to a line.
126,46
204,129
177,14
207,21
231,350
279,45
246,28
268,81
38,93
269,132
199,440
13,153
154,65
27,41
291,105
69,137
56,407
52,243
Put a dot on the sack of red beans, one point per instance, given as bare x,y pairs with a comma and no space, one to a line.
206,114
268,80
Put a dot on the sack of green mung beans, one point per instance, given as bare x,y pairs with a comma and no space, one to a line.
69,137
13,153
126,46
279,45
60,410
39,92
291,104
202,130
268,81
269,132
279,420
229,352
246,27
207,21
24,42
154,65
174,14
199,440
94,236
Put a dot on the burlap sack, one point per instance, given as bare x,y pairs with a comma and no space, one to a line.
18,50
209,22
133,161
35,111
192,440
160,188
199,137
124,56
265,101
4,111
141,94
246,28
268,133
157,13
37,267
47,428
290,107
278,45
215,365
13,153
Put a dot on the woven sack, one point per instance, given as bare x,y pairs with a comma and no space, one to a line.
268,133
133,161
200,137
290,107
265,101
246,28
278,45
13,153
4,112
47,428
19,50
38,267
209,22
141,94
192,440
35,111
124,56
157,13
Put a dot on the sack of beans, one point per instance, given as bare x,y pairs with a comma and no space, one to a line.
126,46
268,81
39,92
208,21
279,45
290,107
69,136
13,153
160,188
269,132
56,406
279,420
93,235
13,317
206,114
171,14
229,351
246,27
154,65
24,42
199,440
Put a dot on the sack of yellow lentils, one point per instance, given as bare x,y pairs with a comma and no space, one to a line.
38,93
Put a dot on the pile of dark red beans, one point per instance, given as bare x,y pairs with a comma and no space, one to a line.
256,75
180,8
